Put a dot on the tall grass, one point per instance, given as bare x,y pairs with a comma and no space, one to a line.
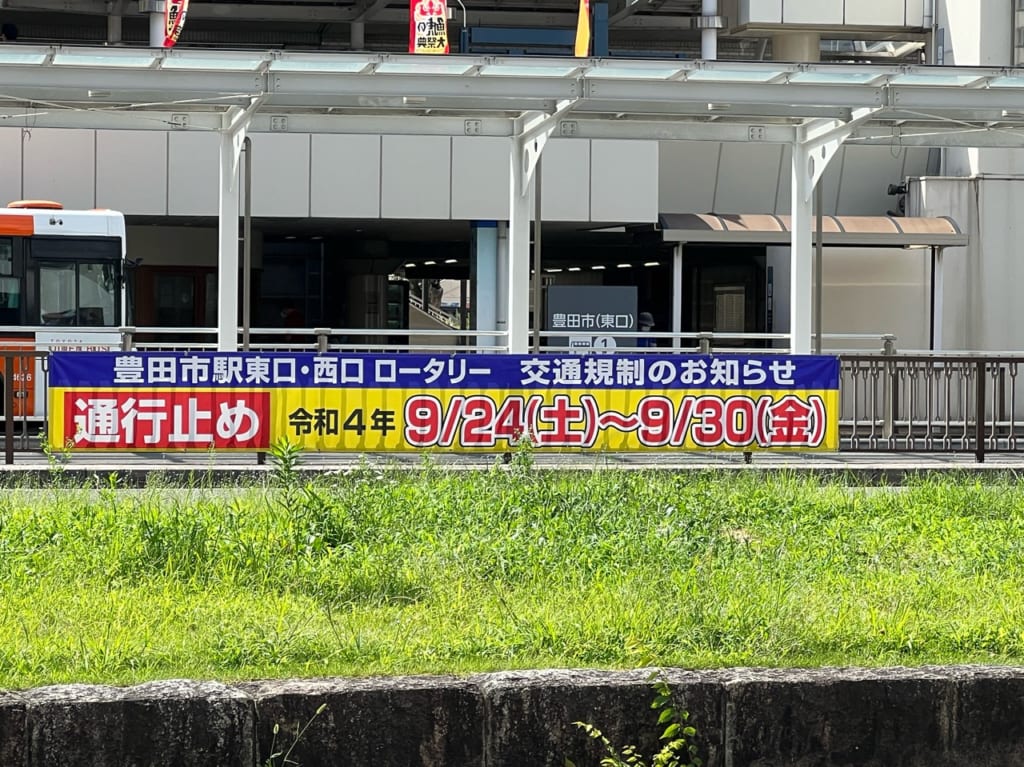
380,571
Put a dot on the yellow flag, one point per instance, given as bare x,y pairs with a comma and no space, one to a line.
583,30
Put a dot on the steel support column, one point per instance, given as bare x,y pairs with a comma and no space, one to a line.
232,136
677,294
519,212
800,258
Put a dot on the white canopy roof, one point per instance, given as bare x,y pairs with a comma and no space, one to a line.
472,95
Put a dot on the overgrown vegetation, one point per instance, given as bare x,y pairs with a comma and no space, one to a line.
378,571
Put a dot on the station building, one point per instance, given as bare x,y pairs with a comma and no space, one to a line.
355,229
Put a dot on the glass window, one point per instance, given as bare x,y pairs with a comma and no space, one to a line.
6,258
57,302
78,294
97,294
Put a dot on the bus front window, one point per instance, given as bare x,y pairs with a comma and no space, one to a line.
78,293
97,294
57,294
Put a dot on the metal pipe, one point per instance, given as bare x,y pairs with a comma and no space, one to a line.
114,24
247,246
931,24
709,36
537,287
819,282
357,36
157,29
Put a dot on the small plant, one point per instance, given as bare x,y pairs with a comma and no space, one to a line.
56,458
285,756
285,456
522,456
676,749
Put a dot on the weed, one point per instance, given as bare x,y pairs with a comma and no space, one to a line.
285,457
285,756
676,750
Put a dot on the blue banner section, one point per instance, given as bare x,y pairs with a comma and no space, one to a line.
463,371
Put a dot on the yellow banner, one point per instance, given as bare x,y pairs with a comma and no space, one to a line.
397,420
582,48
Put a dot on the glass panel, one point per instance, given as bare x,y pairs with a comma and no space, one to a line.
210,318
733,75
318,64
209,60
10,300
528,70
6,257
175,300
835,78
420,67
106,59
11,55
57,295
97,294
635,73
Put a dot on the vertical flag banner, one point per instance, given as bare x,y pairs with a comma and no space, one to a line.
174,20
428,26
583,30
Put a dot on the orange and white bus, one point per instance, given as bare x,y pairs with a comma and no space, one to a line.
62,286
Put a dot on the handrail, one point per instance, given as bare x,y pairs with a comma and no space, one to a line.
443,317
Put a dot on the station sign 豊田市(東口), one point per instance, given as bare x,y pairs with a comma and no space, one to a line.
462,402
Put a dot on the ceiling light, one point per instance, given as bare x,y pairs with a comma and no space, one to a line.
451,261
598,268
410,266
553,271
430,263
574,269
624,266
651,263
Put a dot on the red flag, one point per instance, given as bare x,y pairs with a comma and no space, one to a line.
428,26
174,20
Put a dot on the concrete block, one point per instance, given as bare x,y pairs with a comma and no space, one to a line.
158,724
13,736
871,718
394,722
987,726
530,715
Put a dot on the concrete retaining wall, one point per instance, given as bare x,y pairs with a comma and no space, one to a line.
745,718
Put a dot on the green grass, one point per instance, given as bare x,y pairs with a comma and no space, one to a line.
433,571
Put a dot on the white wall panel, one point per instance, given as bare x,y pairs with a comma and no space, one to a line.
760,11
131,171
60,165
345,176
687,174
748,178
193,173
624,180
10,178
480,177
876,12
565,180
915,10
866,173
416,177
812,11
280,174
